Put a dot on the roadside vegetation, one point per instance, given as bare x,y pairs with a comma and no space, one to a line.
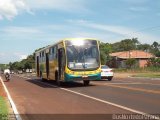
147,75
126,45
4,110
105,50
3,106
152,69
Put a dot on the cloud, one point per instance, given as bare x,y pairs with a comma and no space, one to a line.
11,8
2,54
19,55
136,2
120,32
20,30
7,57
138,9
62,5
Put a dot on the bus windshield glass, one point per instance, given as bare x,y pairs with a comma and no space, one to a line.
82,54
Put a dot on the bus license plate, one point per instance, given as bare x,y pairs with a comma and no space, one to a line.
85,77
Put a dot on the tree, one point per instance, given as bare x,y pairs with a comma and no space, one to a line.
130,62
126,45
155,49
105,49
154,62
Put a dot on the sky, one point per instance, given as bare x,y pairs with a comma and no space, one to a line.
26,25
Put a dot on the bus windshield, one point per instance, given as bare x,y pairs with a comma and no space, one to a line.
82,55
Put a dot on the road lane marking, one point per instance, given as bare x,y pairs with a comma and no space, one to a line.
11,101
128,83
144,78
125,83
100,100
135,89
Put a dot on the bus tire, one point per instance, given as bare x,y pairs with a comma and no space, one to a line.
110,78
86,82
57,79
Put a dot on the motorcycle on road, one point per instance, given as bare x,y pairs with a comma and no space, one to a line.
7,76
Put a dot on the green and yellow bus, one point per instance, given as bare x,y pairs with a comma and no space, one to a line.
69,60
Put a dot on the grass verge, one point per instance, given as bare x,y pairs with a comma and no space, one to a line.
149,75
4,109
3,106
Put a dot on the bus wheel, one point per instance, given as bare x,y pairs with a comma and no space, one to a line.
86,82
57,79
110,78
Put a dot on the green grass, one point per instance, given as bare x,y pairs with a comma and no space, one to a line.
3,108
149,75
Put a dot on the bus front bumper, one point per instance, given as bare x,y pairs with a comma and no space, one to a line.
69,77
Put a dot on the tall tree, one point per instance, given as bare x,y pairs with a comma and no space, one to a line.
105,49
126,45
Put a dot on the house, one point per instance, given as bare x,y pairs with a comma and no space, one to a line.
141,57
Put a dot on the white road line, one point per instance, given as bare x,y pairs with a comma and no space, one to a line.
103,101
134,83
18,117
144,78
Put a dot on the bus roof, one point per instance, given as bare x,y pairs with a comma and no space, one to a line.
65,39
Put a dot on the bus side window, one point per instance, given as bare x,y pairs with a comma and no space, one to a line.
55,52
40,57
50,53
43,57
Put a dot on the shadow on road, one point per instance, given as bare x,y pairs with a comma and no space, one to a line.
53,84
41,84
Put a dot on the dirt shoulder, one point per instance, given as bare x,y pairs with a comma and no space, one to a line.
122,75
137,74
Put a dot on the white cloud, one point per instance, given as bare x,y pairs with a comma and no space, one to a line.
120,32
20,30
63,5
20,56
11,8
23,57
138,9
2,54
7,57
136,2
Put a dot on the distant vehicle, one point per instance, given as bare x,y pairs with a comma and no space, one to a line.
27,70
7,76
20,72
30,71
106,72
7,71
73,59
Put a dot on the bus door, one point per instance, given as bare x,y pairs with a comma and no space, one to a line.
38,66
47,64
61,63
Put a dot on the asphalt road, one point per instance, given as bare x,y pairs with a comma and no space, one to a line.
101,100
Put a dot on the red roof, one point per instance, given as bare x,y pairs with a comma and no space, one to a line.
132,54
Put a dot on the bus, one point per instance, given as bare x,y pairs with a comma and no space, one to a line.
72,59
